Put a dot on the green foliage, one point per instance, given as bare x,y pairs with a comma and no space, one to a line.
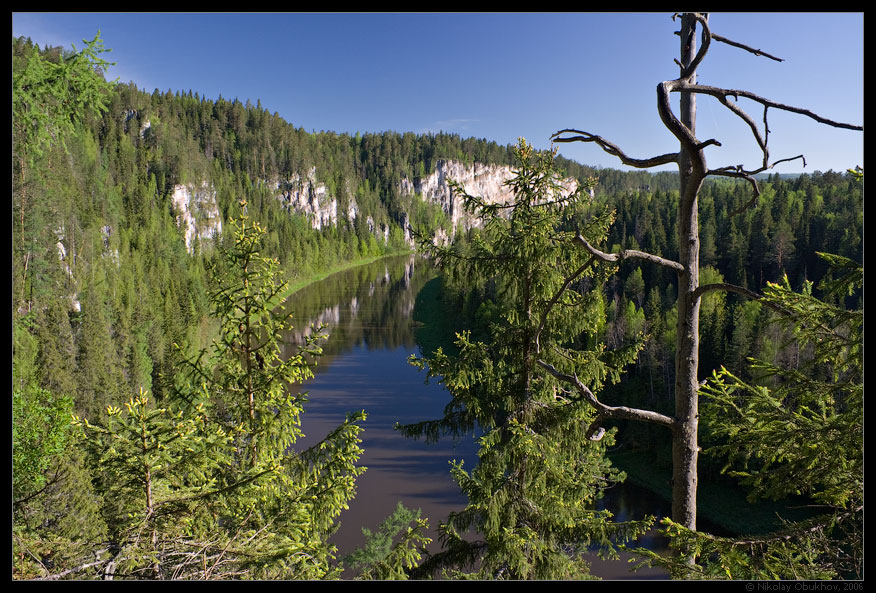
531,496
100,212
384,558
208,485
817,402
103,284
285,503
50,96
39,435
803,435
53,531
100,380
154,468
45,502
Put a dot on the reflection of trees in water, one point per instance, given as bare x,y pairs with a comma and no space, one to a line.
370,305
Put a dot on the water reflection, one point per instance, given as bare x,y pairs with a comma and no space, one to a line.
369,305
367,312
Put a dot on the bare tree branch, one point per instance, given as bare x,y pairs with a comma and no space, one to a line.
691,69
705,288
702,20
756,52
740,174
59,473
722,95
799,156
60,575
672,123
612,149
615,412
627,254
709,142
720,92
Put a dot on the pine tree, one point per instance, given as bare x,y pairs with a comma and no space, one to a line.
209,485
50,95
100,380
155,469
394,550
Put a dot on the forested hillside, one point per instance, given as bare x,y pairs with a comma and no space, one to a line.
111,245
113,229
126,206
795,219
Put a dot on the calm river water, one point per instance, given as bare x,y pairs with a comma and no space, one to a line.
367,312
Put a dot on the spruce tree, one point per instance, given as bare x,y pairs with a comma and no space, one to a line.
286,501
154,468
394,550
209,485
531,497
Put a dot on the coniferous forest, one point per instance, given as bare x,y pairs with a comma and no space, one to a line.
153,423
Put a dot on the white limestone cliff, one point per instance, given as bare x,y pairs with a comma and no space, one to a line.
197,212
306,195
485,181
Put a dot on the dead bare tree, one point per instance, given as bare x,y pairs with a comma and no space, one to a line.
693,170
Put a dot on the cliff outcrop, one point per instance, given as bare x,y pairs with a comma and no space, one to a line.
197,212
485,181
306,195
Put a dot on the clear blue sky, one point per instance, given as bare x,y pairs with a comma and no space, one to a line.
498,76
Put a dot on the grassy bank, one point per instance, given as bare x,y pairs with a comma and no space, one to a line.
724,505
300,283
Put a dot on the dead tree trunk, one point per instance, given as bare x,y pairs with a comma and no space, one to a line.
693,170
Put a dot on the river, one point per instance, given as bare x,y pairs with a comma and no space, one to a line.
367,312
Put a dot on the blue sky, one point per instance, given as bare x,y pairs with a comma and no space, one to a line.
498,76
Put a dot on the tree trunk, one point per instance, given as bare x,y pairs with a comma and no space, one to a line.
692,171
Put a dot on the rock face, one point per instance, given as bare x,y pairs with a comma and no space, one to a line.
305,195
383,231
311,198
485,181
197,212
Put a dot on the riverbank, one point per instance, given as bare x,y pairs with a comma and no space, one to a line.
302,282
